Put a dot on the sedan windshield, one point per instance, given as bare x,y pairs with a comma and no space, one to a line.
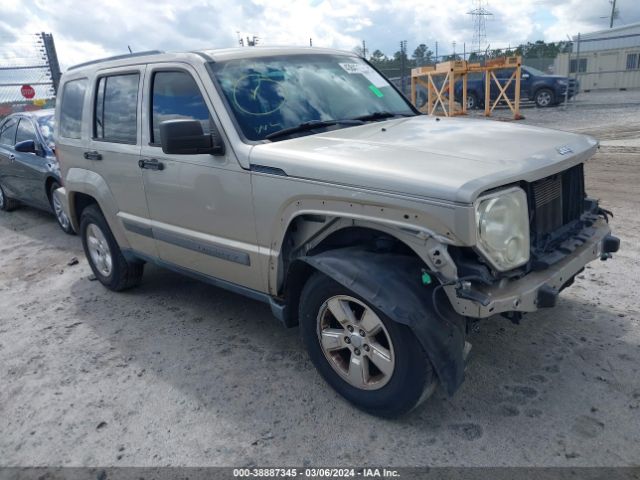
273,94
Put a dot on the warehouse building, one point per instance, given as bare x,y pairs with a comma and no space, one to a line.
605,59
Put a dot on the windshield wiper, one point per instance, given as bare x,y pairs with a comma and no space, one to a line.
380,115
312,125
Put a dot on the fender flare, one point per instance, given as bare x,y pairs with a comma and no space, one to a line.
392,283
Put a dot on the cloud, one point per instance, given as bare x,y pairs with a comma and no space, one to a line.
87,30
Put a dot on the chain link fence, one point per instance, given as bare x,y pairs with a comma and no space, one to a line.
29,72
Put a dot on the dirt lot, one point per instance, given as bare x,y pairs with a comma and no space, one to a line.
180,373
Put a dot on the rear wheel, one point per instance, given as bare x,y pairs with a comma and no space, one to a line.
56,206
375,363
544,98
472,101
6,204
104,255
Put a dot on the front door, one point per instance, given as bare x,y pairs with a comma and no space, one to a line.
7,157
200,205
114,149
30,168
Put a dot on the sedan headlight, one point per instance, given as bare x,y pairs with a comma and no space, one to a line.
503,228
562,82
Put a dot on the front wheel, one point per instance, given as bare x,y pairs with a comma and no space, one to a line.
56,206
6,204
104,255
372,361
544,98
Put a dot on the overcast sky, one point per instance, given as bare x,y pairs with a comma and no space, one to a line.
85,30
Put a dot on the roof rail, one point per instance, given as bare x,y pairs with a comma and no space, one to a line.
117,57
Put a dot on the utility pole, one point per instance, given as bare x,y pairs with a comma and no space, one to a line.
613,12
403,56
436,52
364,49
310,42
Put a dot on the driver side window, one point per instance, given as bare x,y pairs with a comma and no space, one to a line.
26,131
175,95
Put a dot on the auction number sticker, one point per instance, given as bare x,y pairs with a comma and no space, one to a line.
369,73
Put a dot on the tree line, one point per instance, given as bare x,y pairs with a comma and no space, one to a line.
423,55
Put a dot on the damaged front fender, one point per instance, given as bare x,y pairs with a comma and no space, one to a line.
392,284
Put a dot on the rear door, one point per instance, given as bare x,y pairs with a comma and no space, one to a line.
200,205
7,157
114,148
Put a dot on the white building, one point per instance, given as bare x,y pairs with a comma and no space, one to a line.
604,59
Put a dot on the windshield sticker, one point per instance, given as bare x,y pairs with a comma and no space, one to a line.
369,73
375,90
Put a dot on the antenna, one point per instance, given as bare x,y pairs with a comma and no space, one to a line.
479,14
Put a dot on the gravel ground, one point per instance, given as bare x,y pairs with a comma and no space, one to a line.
179,373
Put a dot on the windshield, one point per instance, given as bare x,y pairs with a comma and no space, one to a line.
535,71
46,128
269,94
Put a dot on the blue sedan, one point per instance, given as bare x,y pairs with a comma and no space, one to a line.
29,170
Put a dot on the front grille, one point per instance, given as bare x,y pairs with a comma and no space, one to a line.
555,203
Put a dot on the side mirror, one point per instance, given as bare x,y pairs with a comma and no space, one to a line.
26,146
186,137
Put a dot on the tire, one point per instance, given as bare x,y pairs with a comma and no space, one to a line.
398,386
7,204
544,98
472,101
104,255
61,217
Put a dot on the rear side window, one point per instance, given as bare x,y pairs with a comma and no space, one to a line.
26,131
8,132
176,95
116,117
71,109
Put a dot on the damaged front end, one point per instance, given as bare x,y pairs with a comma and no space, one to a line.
567,230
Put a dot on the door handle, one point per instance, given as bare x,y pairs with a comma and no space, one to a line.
150,164
93,155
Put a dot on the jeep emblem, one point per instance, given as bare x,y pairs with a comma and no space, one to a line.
564,149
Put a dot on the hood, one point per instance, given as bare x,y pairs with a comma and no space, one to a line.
451,159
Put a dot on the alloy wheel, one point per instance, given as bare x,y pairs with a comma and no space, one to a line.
355,342
544,99
63,220
99,250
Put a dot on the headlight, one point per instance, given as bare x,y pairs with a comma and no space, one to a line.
562,82
503,228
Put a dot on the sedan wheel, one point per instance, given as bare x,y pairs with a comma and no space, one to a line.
61,217
356,343
7,204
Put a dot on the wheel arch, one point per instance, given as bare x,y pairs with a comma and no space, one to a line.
84,188
393,284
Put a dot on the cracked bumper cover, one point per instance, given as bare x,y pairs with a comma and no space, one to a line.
537,289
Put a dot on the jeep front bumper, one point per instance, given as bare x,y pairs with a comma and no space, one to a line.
537,289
